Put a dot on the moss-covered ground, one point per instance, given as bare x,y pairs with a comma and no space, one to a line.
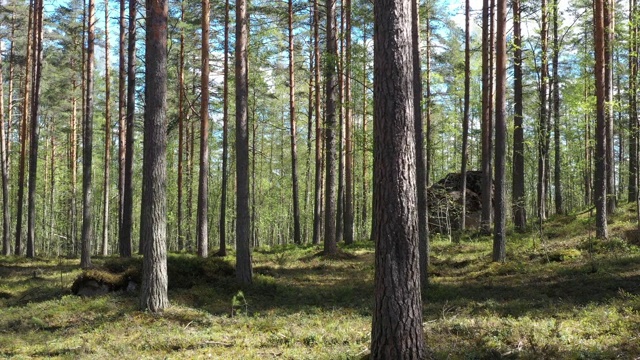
562,294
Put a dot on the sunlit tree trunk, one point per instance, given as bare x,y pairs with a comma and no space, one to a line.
122,129
23,133
609,23
6,241
203,180
465,120
348,123
499,240
487,124
87,146
331,145
600,184
107,135
127,210
153,220
244,270
317,212
181,116
519,199
225,135
397,329
557,181
297,239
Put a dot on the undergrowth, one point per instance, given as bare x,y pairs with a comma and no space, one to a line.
562,294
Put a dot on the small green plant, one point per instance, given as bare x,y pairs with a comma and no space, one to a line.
239,304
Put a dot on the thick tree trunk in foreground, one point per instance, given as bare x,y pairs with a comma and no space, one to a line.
107,136
153,221
465,119
225,136
487,124
397,318
297,237
122,128
6,221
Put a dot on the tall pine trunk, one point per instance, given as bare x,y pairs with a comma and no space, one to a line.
465,120
348,123
225,135
297,239
107,135
600,185
499,240
244,270
557,181
87,146
123,250
519,199
127,210
153,220
397,331
203,179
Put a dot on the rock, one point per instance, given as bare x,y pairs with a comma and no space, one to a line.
445,202
92,288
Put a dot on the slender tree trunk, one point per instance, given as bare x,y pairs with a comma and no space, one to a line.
122,133
87,147
465,120
609,23
487,126
365,181
244,271
421,180
499,240
397,331
543,149
601,141
6,241
331,145
519,199
107,135
297,239
340,128
225,136
348,120
153,221
633,103
127,211
557,181
181,116
23,133
317,212
203,180
35,104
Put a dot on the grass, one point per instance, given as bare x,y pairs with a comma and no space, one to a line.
562,294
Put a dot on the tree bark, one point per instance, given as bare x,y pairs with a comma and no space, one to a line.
465,120
107,135
557,180
348,123
87,146
543,132
519,196
397,331
127,212
23,133
499,240
181,142
6,241
122,133
225,136
297,238
487,124
244,271
633,103
600,185
331,145
203,180
153,221
317,212
609,23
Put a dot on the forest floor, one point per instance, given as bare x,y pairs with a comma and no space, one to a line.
561,295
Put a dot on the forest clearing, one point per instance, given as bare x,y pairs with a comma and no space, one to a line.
567,296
